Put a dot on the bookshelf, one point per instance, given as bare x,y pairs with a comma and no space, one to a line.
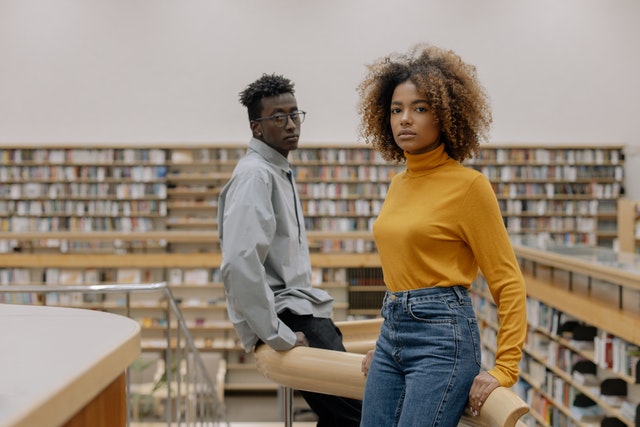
195,176
629,225
107,213
567,193
583,344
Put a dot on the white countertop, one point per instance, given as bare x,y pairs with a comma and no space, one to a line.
53,361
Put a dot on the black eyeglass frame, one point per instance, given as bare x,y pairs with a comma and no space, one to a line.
297,117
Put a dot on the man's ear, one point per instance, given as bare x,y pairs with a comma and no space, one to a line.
255,128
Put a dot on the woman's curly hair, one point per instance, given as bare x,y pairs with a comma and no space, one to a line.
459,101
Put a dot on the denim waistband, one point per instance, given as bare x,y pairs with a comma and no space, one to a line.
437,291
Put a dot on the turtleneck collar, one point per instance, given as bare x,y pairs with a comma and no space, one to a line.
426,162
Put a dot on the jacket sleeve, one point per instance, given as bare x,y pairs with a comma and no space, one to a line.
247,226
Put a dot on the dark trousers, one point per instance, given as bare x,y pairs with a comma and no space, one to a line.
332,411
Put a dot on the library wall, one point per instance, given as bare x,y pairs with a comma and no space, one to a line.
81,216
105,214
161,71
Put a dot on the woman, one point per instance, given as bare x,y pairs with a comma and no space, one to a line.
440,222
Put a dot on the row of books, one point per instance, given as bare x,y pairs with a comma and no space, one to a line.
338,224
582,391
322,190
82,155
613,353
63,246
92,276
363,173
366,300
193,276
73,173
580,155
363,207
328,275
369,276
55,190
551,172
555,207
553,224
324,154
61,207
204,155
342,245
336,155
552,190
570,239
80,223
609,352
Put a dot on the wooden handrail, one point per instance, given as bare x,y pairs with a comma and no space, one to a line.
338,373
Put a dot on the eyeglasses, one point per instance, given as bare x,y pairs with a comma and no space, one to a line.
280,119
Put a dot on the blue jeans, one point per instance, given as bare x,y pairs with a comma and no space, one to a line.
426,358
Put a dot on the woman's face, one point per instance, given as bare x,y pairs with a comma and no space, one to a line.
415,128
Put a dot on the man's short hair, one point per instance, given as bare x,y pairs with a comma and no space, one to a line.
266,86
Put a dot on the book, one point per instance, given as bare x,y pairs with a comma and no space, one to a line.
175,276
71,278
129,275
196,276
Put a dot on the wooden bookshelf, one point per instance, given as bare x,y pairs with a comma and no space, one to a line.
102,211
568,193
629,225
596,288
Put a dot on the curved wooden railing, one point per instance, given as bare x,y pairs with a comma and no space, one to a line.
338,373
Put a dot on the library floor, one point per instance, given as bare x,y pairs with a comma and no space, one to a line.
255,410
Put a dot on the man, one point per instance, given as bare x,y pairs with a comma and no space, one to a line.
266,268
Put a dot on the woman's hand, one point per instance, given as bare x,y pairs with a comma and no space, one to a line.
483,385
366,362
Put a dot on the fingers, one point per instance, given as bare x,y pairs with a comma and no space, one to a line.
475,405
365,367
482,386
366,362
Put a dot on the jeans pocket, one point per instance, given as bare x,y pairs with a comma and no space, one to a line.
431,311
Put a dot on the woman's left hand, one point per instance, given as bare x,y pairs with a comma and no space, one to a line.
366,362
483,385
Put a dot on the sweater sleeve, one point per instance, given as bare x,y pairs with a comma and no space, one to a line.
483,227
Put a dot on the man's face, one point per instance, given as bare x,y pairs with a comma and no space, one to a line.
282,139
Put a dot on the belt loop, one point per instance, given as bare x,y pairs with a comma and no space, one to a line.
405,301
457,289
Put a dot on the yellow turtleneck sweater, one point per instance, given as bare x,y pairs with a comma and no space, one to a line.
440,222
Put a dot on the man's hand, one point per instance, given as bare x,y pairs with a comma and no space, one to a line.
482,386
366,362
301,340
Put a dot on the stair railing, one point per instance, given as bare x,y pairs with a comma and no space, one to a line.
192,398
